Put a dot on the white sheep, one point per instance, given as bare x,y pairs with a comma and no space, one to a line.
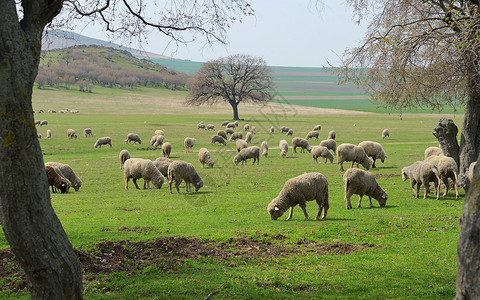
248,137
178,171
137,168
422,172
222,133
133,137
224,123
246,153
123,156
246,127
236,136
447,168
235,123
264,147
162,164
332,134
159,132
68,173
254,130
56,180
205,158
158,141
49,134
283,148
331,144
210,127
272,130
43,122
231,125
154,139
201,125
360,182
71,133
166,149
217,139
284,129
87,132
241,144
317,128
229,131
290,132
355,154
37,122
188,143
373,150
321,151
430,151
312,134
299,190
385,133
103,141
302,143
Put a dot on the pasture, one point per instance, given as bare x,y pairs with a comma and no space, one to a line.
221,240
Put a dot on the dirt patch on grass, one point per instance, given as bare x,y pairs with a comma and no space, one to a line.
386,175
169,253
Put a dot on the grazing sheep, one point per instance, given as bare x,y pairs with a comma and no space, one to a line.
235,123
471,169
201,125
254,130
264,147
422,172
299,190
248,137
158,141
68,173
312,134
159,132
272,130
123,156
218,139
430,151
189,143
290,132
224,123
331,144
154,139
205,158
210,127
137,168
71,133
37,122
246,153
332,134
43,122
229,131
162,164
360,182
49,134
236,136
87,132
39,135
284,129
302,143
246,127
321,151
56,180
231,125
385,133
133,137
241,144
283,148
222,133
373,150
447,168
317,128
103,141
166,149
179,171
355,154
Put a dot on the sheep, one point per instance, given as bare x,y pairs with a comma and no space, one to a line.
166,149
49,134
272,130
179,171
56,181
71,133
68,173
302,143
385,133
235,123
189,143
433,151
283,148
162,164
284,129
241,144
246,153
222,133
264,147
360,182
205,158
201,125
39,135
246,127
331,144
159,132
317,128
43,122
373,150
103,141
210,127
312,134
136,168
224,123
133,137
321,151
299,190
236,136
254,130
355,154
422,172
447,168
159,141
154,139
332,134
37,122
218,139
123,156
471,169
229,131
231,125
290,132
248,137
87,132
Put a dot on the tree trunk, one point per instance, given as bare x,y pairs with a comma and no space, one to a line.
27,217
446,134
234,105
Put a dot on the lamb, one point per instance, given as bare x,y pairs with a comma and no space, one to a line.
422,172
103,141
241,144
355,154
49,134
179,171
264,147
290,132
71,133
162,164
331,144
373,150
222,133
332,134
229,131
430,151
302,143
68,173
246,153
272,130
299,190
218,139
317,128
136,168
447,168
201,125
283,148
189,143
205,158
246,127
224,123
321,151
360,182
312,134
133,137
210,127
43,122
284,129
248,137
56,181
166,149
385,133
236,136
123,156
87,132
158,141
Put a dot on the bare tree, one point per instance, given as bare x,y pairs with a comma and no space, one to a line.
233,79
28,220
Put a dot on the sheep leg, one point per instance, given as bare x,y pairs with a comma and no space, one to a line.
370,198
412,185
340,163
347,200
177,185
146,184
359,200
373,165
170,186
135,182
304,212
126,181
290,214
188,188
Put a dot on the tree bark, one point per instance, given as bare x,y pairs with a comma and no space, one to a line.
234,105
446,133
470,140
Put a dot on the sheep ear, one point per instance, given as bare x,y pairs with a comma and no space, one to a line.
276,208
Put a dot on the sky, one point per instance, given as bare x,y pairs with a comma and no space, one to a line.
283,32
